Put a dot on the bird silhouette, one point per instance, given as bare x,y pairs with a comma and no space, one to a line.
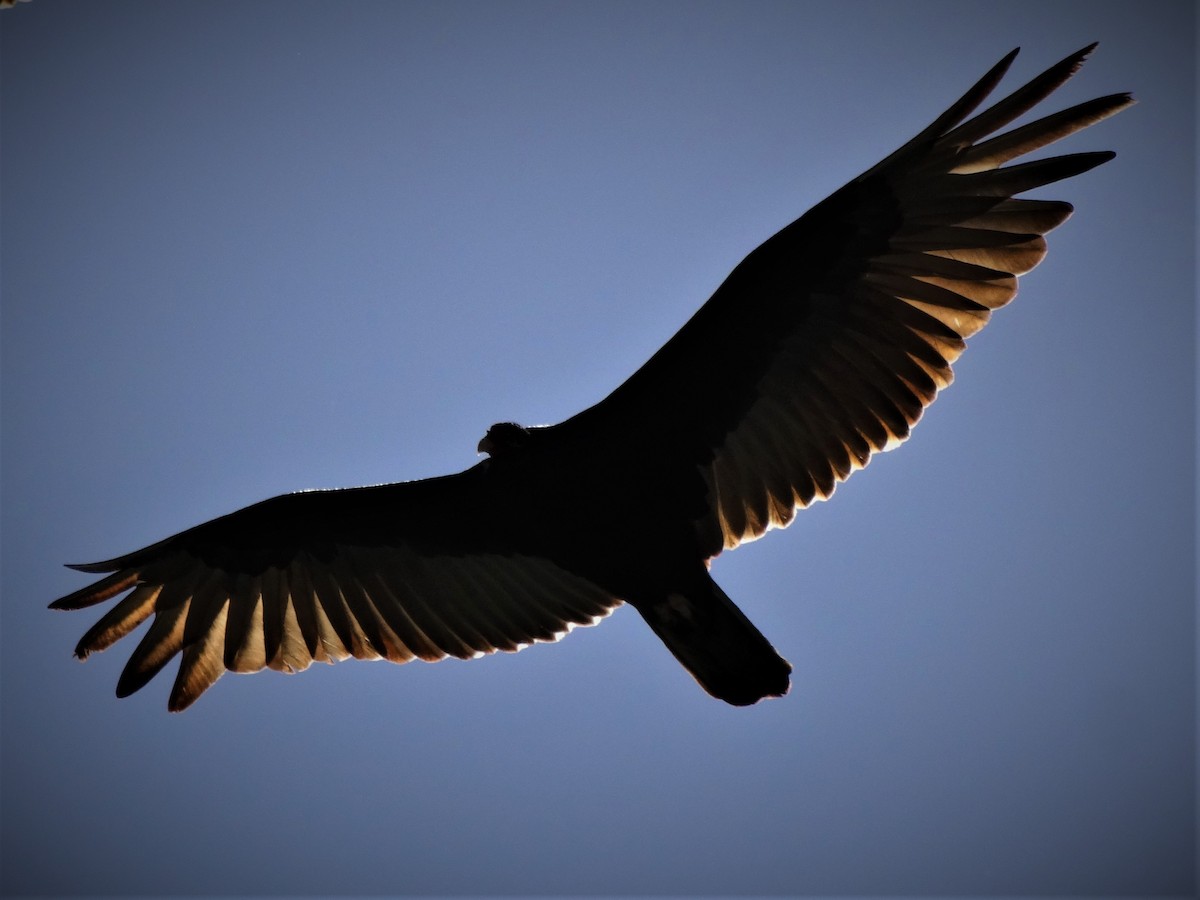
822,347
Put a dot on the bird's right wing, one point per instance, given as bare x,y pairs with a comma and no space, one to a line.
397,572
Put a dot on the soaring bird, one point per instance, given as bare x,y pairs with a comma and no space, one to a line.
821,348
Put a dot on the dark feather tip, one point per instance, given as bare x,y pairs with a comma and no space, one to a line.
93,567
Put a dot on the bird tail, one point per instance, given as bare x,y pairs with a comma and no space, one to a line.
718,645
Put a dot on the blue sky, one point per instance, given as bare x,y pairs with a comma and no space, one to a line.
253,247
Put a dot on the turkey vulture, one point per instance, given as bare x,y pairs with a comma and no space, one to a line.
822,347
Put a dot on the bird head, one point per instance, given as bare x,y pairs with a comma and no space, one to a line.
502,438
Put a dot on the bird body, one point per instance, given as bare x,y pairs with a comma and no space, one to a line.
823,347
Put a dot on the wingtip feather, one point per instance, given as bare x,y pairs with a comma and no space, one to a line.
108,565
104,589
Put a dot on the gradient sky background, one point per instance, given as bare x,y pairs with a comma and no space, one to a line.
253,247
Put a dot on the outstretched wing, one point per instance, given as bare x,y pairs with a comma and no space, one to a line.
397,572
827,342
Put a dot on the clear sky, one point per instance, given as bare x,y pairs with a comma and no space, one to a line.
253,247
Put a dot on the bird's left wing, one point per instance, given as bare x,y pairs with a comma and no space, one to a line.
828,341
397,572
